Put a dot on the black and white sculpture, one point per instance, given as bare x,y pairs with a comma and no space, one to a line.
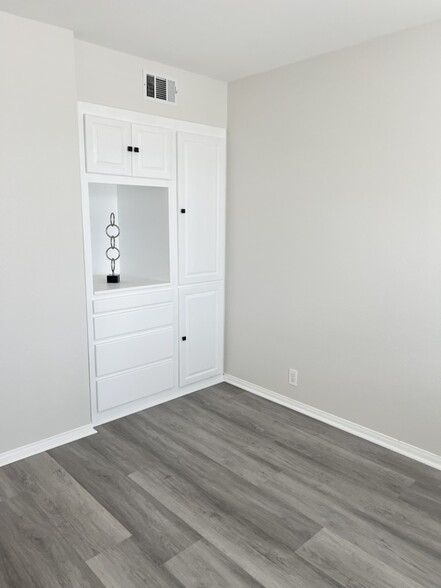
112,252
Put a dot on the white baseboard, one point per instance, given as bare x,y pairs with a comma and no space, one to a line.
45,444
421,455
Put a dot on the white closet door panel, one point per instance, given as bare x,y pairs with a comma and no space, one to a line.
201,194
118,390
133,352
113,325
201,325
154,159
106,146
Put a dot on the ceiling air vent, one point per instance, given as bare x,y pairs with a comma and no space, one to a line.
159,88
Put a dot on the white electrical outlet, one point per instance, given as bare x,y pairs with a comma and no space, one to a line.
292,377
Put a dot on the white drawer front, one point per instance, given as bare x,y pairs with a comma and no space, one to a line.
112,325
133,352
132,386
132,301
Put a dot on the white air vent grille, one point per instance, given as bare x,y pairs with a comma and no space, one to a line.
159,88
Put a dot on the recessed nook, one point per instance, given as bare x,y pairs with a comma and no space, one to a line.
142,213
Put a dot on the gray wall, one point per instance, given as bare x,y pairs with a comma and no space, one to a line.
112,78
43,355
334,233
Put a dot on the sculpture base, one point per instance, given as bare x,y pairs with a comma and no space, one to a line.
113,278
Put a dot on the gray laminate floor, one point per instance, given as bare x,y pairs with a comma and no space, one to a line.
220,489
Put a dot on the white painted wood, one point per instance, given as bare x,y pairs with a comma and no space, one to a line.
132,301
88,265
126,180
106,145
122,316
134,385
133,321
128,284
134,352
123,410
140,291
416,453
201,193
45,444
150,119
155,145
201,323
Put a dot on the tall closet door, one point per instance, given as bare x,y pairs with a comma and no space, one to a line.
107,142
201,332
201,202
152,155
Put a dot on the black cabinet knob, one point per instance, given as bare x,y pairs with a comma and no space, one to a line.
136,149
183,210
184,338
129,148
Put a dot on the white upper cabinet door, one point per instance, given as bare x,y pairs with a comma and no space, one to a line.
107,142
201,198
201,332
152,151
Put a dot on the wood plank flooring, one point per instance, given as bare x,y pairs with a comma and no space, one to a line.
220,489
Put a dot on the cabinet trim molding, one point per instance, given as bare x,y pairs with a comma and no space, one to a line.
149,119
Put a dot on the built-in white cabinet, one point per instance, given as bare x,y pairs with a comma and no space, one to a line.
159,332
201,189
201,332
120,147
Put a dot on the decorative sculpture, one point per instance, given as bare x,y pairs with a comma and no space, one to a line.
112,252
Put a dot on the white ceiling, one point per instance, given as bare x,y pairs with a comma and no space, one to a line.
228,39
